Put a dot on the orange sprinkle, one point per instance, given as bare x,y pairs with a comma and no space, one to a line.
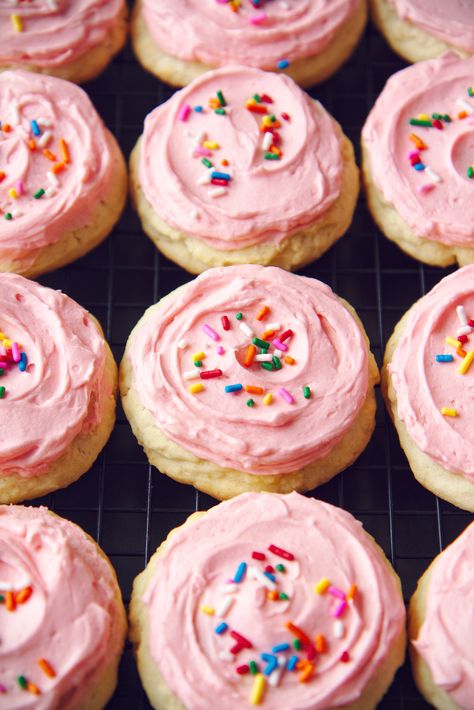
274,149
268,334
47,154
273,595
297,632
64,150
224,162
461,352
462,114
352,592
58,168
32,688
320,643
417,141
2,175
10,601
254,390
290,360
6,128
265,310
301,664
46,668
214,103
249,355
32,144
24,595
306,673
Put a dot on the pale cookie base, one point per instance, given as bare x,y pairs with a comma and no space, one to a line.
222,483
76,460
450,486
434,695
306,71
88,66
405,38
160,696
397,230
293,252
81,240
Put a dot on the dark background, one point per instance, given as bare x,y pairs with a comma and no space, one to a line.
128,506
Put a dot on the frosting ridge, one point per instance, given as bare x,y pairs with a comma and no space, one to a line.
451,22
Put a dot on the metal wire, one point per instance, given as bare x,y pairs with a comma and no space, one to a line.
128,506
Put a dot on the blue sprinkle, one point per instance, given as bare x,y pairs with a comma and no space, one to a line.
221,628
22,363
220,176
271,661
270,576
35,128
420,166
283,63
444,358
233,388
291,665
281,647
198,109
240,574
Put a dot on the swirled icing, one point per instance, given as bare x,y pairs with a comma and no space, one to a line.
424,386
55,32
452,22
265,199
194,570
211,33
64,111
61,393
445,637
328,348
69,619
437,205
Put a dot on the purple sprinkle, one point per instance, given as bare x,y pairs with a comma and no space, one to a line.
210,332
283,392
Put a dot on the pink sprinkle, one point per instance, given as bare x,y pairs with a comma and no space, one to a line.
220,350
283,392
278,344
20,187
199,150
2,688
16,352
257,18
184,112
337,593
413,154
210,332
339,610
4,364
427,187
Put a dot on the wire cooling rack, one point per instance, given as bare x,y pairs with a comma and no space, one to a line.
127,505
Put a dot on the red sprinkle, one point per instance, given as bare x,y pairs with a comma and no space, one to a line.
310,651
209,374
225,323
242,641
296,631
344,657
266,99
270,569
219,181
462,339
242,670
437,124
471,323
273,548
285,116
258,556
256,108
284,336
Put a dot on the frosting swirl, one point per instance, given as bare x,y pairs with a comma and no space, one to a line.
424,170
60,605
425,386
54,32
61,392
192,574
451,22
326,352
55,160
304,171
255,36
445,637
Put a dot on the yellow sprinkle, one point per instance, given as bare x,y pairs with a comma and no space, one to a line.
258,689
17,22
268,398
449,412
466,363
2,336
13,193
455,343
196,387
7,343
267,121
198,356
211,145
423,117
209,610
322,586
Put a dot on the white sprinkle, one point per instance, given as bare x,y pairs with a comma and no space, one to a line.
16,213
45,138
201,137
182,344
218,192
15,115
281,661
434,176
204,179
460,310
52,4
224,606
15,587
246,329
466,105
267,140
339,629
257,574
467,330
191,374
277,352
195,214
226,656
263,358
272,326
274,677
44,122
50,191
230,588
52,178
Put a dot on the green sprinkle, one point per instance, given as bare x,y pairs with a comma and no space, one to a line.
257,98
221,98
253,668
306,392
470,172
2,371
8,216
239,315
447,118
281,568
273,118
22,682
2,599
276,362
267,365
39,193
220,111
420,122
198,363
2,392
470,91
206,162
297,644
437,116
261,343
271,156
284,597
250,403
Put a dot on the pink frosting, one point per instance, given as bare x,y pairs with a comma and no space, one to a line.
329,349
326,542
61,393
265,199
438,205
55,32
208,31
445,638
69,618
424,386
452,22
64,111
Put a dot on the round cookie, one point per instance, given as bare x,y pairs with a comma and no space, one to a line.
427,384
250,378
441,626
70,39
417,146
422,29
57,390
263,584
178,40
63,179
243,167
61,614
